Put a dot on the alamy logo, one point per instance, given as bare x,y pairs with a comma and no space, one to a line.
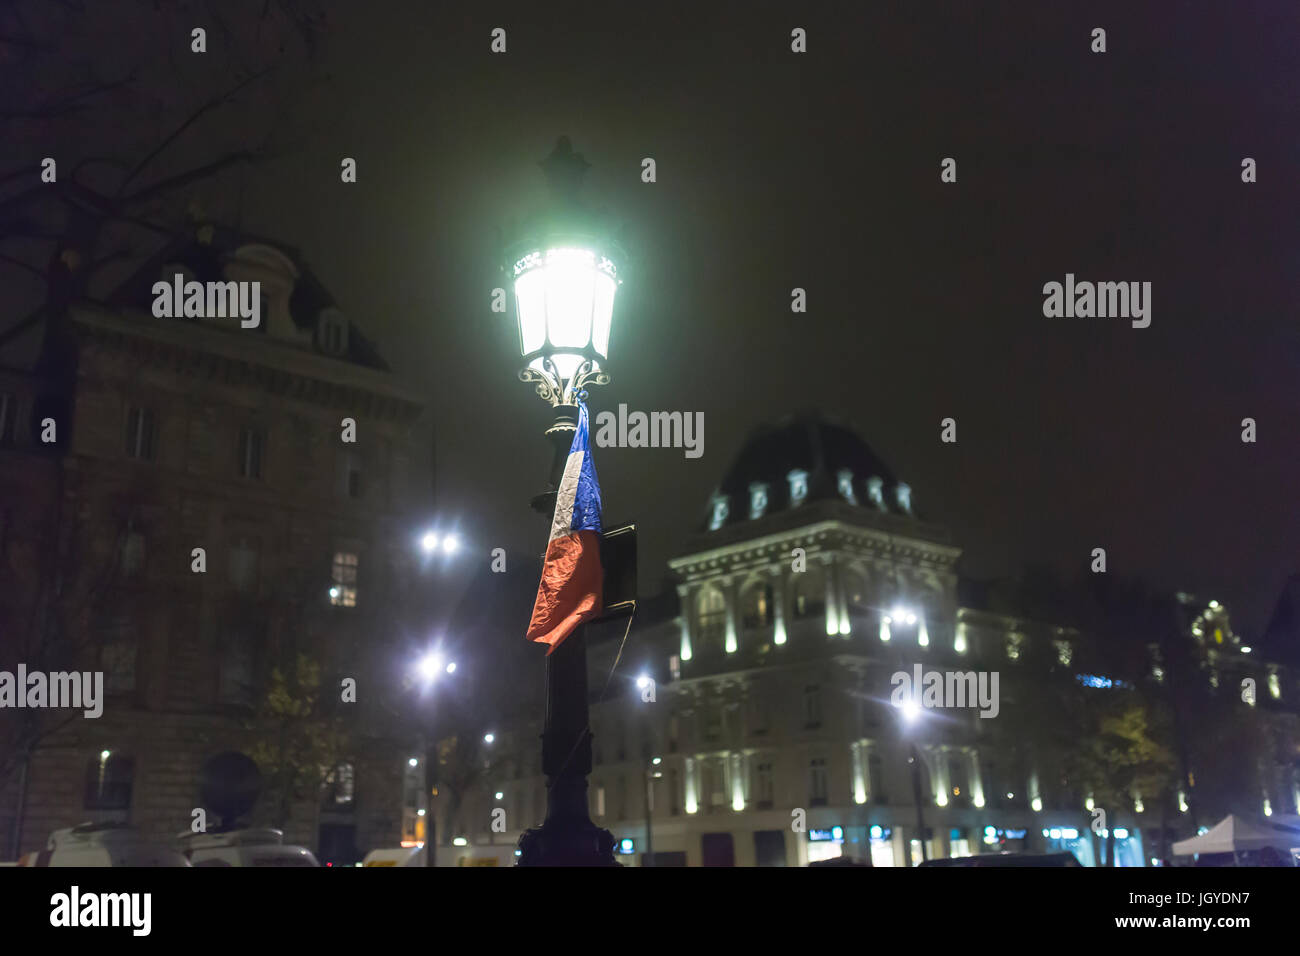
58,689
1122,300
209,300
74,908
656,430
946,689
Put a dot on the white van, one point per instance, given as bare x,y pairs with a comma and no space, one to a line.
395,856
251,847
102,844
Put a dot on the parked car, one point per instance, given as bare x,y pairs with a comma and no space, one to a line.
1008,859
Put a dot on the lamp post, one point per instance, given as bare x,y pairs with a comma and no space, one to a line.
565,273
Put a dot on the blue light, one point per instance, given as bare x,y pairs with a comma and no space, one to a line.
837,834
626,846
876,832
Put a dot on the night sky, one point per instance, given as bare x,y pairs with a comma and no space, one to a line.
821,171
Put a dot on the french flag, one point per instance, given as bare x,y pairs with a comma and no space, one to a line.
572,577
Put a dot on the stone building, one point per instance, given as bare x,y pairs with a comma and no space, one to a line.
180,509
774,736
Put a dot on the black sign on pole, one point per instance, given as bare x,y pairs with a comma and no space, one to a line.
618,558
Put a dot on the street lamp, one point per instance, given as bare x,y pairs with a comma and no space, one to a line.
911,710
565,271
430,667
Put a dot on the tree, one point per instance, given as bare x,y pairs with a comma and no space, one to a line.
115,96
297,741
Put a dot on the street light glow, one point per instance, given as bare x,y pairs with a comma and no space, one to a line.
488,738
451,668
430,665
429,542
450,544
642,681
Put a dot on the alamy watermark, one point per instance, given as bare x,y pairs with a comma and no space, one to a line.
78,690
1123,300
208,300
957,689
653,430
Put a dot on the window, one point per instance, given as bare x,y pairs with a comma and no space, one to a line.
340,788
109,778
243,565
798,486
719,517
132,555
118,658
817,783
876,775
756,607
712,617
351,475
764,786
844,482
236,669
252,442
757,499
140,433
8,412
812,706
332,332
343,593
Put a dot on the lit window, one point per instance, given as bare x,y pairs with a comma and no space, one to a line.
903,495
757,499
1014,642
1274,684
719,517
844,481
876,492
798,486
343,592
1064,653
340,788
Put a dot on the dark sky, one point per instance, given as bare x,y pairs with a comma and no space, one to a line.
821,171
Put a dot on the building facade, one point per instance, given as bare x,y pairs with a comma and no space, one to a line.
763,721
215,518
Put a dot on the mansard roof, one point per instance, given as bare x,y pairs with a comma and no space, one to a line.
204,251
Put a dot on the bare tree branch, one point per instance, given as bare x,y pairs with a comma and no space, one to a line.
207,107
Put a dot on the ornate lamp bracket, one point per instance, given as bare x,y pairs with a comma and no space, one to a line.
552,388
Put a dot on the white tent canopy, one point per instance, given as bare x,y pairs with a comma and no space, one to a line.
1234,834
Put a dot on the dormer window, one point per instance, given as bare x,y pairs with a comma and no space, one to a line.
757,499
332,332
876,491
720,510
903,494
845,483
798,486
